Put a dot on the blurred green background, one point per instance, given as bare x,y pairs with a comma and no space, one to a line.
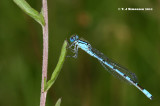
132,38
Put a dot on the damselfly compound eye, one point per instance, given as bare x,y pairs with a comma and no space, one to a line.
73,38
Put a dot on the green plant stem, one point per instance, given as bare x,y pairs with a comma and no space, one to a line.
42,18
45,52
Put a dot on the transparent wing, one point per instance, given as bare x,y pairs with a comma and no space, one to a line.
115,66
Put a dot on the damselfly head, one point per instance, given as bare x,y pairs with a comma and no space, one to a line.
74,38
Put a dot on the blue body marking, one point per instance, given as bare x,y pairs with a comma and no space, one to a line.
108,64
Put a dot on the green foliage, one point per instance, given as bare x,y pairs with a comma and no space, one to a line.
58,103
131,38
58,67
30,11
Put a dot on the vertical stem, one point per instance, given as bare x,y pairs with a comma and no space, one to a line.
45,53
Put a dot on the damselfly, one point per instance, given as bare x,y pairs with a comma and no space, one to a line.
108,64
